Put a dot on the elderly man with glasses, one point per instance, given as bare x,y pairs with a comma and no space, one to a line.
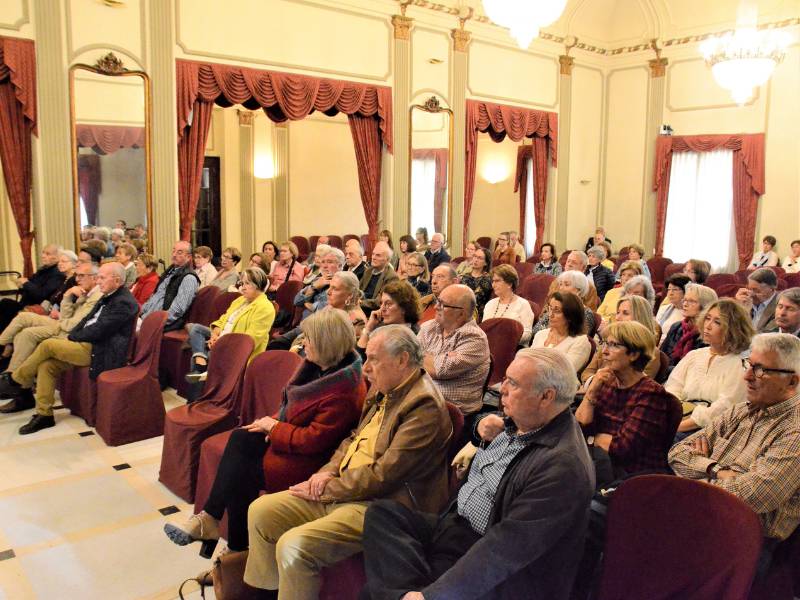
457,351
176,289
753,449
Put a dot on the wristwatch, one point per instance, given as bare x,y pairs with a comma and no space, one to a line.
713,471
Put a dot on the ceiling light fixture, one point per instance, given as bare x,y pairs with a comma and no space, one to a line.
524,18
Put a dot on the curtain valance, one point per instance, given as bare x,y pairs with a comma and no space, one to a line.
18,65
106,139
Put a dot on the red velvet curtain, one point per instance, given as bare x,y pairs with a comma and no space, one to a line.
282,96
440,157
499,120
89,185
748,181
17,123
106,139
367,144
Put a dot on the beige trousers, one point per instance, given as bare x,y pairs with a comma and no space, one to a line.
292,539
25,332
48,361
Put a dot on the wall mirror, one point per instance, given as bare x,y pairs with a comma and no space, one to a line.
430,150
110,123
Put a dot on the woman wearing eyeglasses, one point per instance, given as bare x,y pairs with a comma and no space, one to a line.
506,304
709,380
399,306
684,336
478,278
567,330
627,413
417,273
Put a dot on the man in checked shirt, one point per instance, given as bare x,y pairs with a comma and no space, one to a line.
753,449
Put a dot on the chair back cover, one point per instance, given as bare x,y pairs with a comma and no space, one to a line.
669,270
226,371
221,304
264,382
535,287
524,269
671,537
658,266
503,335
201,309
286,293
148,342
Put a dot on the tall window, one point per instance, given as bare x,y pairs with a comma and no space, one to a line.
530,215
423,191
700,209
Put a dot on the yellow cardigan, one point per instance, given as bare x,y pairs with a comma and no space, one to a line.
255,321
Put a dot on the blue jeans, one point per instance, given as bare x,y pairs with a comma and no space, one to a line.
198,336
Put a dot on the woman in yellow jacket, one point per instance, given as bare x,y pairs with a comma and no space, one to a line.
251,314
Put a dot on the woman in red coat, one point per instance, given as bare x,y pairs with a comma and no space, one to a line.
321,405
147,280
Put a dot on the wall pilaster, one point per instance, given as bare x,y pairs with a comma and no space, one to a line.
461,39
281,181
564,126
247,210
402,98
655,115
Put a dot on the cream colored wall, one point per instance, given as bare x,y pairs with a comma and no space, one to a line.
323,179
495,207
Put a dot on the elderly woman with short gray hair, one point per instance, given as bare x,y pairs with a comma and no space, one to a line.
685,336
640,286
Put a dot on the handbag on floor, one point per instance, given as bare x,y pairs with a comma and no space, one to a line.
228,579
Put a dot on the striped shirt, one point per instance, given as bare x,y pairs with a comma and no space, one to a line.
180,304
763,448
461,361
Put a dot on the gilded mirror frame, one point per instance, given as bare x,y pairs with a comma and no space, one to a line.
432,105
111,66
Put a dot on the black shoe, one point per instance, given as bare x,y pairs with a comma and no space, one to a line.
24,401
8,387
37,423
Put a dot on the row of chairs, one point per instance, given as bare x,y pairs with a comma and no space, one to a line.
306,245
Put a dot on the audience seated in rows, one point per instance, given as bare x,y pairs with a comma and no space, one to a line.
533,481
285,268
504,253
599,276
708,381
354,258
28,329
608,307
441,277
629,308
578,261
417,273
566,330
456,351
101,341
478,278
397,452
759,298
787,312
436,254
506,304
376,276
465,266
251,314
627,413
753,449
314,297
399,306
126,254
176,289
685,336
767,257
573,282
598,238
671,309
320,406
147,278
548,261
791,263
42,284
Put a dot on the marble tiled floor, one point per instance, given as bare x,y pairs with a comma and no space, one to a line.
81,520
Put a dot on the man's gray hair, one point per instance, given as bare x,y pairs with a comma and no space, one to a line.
582,255
451,270
792,295
553,371
598,252
398,339
577,280
784,345
764,276
356,245
337,253
118,270
69,254
644,281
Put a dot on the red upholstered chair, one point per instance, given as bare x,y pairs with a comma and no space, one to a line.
217,409
663,368
537,310
351,236
535,287
261,396
782,285
741,275
562,260
366,245
285,299
503,336
173,362
597,320
524,269
671,270
303,247
658,266
779,271
651,522
592,350
458,260
728,290
129,403
312,242
792,280
344,580
484,242
715,280
335,241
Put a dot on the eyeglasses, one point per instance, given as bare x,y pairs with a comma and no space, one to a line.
611,345
759,370
442,305
408,264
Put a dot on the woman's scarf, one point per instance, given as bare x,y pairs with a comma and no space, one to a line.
687,339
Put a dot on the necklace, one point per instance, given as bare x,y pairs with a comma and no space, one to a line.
505,308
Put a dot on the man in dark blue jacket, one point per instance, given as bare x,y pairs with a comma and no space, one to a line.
39,287
518,525
100,341
436,254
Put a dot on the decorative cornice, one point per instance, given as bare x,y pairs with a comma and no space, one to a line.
110,64
282,124
402,27
658,67
245,117
566,63
461,39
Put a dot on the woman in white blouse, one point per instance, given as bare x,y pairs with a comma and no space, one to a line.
767,257
709,380
566,331
671,309
791,264
506,304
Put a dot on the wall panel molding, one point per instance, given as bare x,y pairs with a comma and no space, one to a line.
24,18
671,69
140,59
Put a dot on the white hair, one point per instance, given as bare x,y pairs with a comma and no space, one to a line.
598,252
69,254
577,280
784,345
398,339
582,255
553,371
644,281
337,253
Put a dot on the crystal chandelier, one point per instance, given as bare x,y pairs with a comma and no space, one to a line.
745,59
524,18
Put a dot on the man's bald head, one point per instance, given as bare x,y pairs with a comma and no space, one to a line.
441,277
110,277
455,306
